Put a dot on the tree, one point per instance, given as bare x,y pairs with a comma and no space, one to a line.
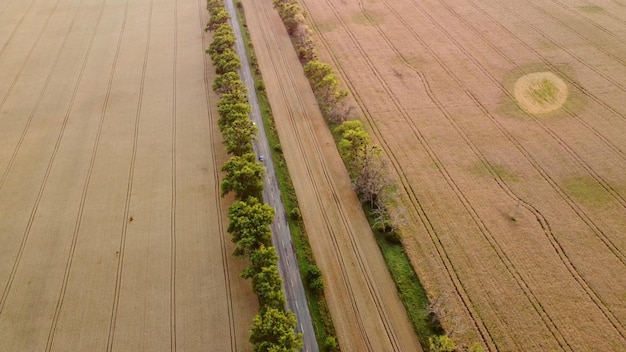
244,176
353,146
441,343
319,75
212,4
227,61
273,331
314,278
218,17
229,82
372,179
234,102
292,16
250,225
475,347
224,38
260,258
267,285
238,136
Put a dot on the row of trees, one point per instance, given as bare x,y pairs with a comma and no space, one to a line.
249,218
332,100
363,159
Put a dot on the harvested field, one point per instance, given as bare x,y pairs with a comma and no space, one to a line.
516,216
112,226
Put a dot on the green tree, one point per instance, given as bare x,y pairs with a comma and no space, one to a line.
244,176
314,278
223,39
218,17
229,82
319,74
292,16
353,146
475,347
212,4
441,343
249,225
260,258
238,136
233,103
267,285
273,331
227,61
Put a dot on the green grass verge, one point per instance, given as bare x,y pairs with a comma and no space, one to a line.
320,314
410,289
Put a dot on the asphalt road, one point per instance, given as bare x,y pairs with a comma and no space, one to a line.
281,239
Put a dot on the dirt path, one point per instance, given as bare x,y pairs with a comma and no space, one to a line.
112,226
362,297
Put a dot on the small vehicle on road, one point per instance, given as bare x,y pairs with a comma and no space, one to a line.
261,158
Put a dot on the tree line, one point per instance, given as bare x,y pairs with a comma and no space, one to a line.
363,159
273,328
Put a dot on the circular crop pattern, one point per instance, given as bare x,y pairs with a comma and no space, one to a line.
540,92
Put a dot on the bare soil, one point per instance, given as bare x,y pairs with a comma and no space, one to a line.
362,298
434,81
112,226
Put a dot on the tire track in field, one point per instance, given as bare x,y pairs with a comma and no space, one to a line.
540,218
510,267
555,186
577,58
422,216
216,178
575,207
173,201
583,283
5,6
129,189
579,35
562,254
44,181
553,68
19,23
581,61
94,153
583,90
506,92
327,222
501,254
393,339
5,174
614,321
590,19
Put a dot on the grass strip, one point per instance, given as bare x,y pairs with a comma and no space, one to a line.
410,289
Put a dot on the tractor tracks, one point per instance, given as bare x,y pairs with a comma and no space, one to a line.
94,153
540,218
131,174
46,175
212,121
542,221
173,186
